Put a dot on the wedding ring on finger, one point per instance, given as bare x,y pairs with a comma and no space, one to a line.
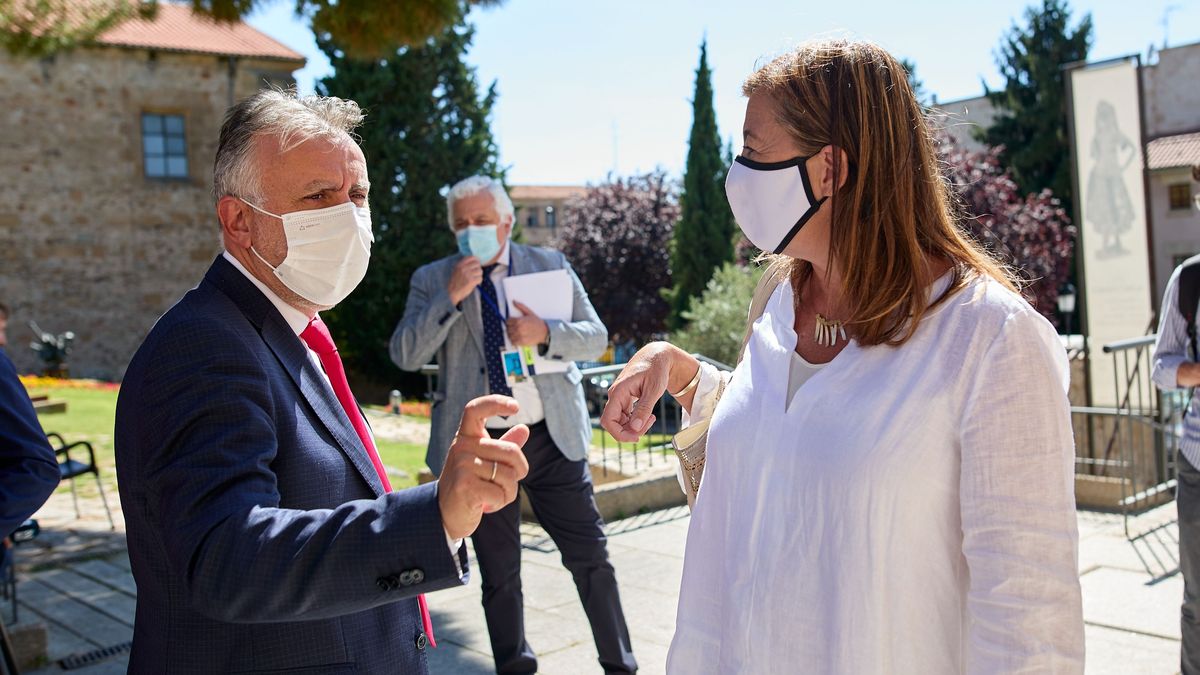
493,478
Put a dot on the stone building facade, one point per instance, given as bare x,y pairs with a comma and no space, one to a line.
106,216
539,209
1171,116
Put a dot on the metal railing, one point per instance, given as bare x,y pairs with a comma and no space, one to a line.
1128,450
617,459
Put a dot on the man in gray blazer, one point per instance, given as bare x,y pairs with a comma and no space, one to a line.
456,311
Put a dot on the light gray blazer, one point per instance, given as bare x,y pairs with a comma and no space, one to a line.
432,325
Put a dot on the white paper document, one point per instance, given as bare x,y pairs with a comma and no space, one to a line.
551,296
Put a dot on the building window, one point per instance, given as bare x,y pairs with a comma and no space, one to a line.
551,217
531,219
164,150
1180,196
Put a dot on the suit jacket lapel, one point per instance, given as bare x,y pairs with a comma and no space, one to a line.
293,355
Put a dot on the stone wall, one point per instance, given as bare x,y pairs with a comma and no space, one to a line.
87,243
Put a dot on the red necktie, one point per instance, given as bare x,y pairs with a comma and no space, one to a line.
318,339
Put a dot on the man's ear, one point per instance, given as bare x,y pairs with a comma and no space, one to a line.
235,220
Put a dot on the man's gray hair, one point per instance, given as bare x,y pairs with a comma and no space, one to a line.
282,113
469,187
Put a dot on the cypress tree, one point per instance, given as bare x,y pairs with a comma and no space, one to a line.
703,239
1031,121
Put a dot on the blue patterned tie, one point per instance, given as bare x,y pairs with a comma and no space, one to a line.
493,334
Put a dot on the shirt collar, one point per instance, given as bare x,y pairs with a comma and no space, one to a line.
296,320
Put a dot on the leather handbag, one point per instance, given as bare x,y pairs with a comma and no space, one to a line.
691,444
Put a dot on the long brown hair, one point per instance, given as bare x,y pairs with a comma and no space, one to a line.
896,210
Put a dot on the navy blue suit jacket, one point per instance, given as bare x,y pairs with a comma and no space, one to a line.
28,468
259,534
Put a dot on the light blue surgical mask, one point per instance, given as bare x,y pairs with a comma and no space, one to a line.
479,241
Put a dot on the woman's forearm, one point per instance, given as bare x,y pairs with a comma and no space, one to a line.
684,368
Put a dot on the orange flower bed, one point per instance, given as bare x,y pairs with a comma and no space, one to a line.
416,408
40,382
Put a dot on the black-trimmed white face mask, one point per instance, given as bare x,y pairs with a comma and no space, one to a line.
771,201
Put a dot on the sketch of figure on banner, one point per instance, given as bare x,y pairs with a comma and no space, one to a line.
1108,204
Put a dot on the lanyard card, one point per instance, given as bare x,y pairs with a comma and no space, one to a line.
514,368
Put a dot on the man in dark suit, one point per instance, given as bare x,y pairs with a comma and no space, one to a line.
263,534
457,310
28,469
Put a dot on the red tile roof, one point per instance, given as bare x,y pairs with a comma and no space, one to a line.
525,193
176,28
1171,152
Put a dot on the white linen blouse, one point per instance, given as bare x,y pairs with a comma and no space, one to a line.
911,510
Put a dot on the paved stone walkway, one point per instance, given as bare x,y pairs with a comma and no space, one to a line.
77,582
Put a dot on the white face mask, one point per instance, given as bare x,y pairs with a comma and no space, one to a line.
770,201
328,251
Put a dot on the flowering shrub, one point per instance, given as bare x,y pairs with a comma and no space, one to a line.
618,239
1029,231
416,408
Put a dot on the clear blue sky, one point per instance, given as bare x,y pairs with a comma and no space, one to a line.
589,87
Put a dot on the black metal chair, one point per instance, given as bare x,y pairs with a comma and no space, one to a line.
8,581
70,469
8,567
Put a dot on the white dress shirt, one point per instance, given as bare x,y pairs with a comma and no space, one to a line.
298,321
911,511
525,392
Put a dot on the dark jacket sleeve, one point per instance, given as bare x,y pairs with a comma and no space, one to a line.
206,443
28,469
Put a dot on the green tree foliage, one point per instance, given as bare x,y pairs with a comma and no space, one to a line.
363,29
717,318
1031,123
616,238
704,237
427,127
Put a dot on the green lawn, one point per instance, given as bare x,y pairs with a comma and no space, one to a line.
408,457
601,438
89,417
90,414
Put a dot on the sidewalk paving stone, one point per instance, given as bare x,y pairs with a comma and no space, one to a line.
77,582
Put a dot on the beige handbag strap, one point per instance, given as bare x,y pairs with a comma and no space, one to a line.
771,278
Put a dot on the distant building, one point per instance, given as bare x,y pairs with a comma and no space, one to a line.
106,216
1171,114
963,118
539,209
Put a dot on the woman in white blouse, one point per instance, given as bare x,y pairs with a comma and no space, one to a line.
889,480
